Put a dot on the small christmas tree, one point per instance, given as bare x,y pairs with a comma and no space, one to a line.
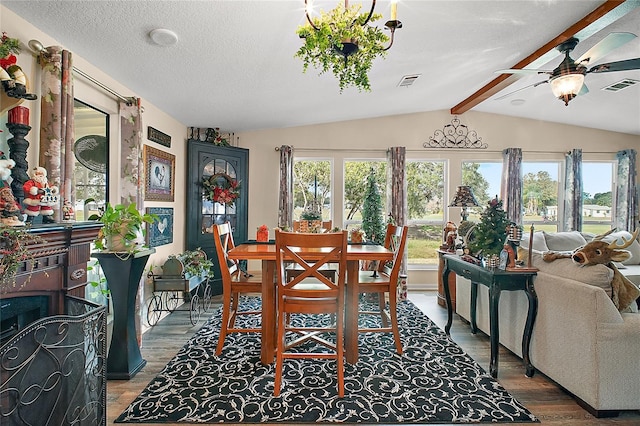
490,234
372,219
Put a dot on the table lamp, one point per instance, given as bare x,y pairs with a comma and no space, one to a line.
464,198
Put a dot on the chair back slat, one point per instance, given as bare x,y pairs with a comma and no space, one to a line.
310,252
395,240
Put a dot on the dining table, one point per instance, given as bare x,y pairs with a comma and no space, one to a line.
266,252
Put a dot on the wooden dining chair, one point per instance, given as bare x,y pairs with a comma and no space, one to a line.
385,283
313,293
294,270
234,283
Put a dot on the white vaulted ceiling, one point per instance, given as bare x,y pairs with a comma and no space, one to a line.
233,64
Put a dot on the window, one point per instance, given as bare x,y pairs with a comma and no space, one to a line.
426,204
90,178
484,179
312,184
540,190
597,202
92,153
355,188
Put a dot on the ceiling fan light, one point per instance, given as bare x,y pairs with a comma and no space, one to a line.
566,87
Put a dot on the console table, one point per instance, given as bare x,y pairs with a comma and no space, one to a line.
497,281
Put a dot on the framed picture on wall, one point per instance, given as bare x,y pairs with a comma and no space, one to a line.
160,232
159,169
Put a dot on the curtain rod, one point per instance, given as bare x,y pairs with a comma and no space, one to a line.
39,48
129,100
277,148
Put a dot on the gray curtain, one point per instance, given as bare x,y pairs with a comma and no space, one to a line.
285,202
573,189
398,203
131,163
511,185
626,212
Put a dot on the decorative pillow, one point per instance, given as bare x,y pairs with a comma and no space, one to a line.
596,275
539,243
564,241
634,248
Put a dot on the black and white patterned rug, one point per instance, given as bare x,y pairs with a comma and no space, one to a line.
434,381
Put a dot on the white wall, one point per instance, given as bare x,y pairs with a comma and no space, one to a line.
370,138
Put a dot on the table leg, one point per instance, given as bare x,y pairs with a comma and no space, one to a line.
494,301
474,306
528,327
351,314
447,296
268,342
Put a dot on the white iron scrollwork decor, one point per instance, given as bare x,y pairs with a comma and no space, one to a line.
455,135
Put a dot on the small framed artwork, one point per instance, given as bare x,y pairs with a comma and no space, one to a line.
160,232
159,168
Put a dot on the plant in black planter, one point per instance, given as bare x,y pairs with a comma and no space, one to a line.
123,229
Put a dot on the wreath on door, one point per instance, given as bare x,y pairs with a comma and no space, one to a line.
221,188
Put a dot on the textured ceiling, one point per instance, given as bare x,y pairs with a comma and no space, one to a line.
233,65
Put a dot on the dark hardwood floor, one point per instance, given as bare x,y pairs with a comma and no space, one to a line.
540,395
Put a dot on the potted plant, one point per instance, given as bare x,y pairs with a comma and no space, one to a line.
195,263
343,43
123,229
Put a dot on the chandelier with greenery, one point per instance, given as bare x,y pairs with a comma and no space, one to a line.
343,41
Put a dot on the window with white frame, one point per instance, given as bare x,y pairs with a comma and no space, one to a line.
356,173
540,189
598,189
311,184
484,180
426,204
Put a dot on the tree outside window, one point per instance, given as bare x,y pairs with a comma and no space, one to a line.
311,180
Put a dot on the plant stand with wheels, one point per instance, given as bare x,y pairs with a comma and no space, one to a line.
173,285
123,272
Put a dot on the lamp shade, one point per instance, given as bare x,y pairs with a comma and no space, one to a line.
464,197
569,84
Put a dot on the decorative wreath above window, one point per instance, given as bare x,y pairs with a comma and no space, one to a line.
221,188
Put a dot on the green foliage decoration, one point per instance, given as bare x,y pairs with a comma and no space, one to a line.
490,233
123,220
372,219
322,45
16,251
9,45
195,263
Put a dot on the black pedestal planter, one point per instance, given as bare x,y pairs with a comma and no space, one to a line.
123,273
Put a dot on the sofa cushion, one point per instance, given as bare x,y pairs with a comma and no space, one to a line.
596,275
634,248
539,243
564,241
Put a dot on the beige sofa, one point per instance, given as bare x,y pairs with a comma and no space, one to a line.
579,340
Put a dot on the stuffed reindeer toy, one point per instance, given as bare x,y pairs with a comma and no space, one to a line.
597,251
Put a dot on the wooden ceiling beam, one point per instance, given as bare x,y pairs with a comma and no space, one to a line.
505,80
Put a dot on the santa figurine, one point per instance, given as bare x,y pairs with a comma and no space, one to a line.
39,197
9,208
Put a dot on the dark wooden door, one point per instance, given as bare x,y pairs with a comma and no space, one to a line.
225,163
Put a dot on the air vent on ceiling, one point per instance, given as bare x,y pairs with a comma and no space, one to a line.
408,80
622,84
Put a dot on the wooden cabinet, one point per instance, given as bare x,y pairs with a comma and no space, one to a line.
452,283
228,163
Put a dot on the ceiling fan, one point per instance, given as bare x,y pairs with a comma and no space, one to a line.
567,79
